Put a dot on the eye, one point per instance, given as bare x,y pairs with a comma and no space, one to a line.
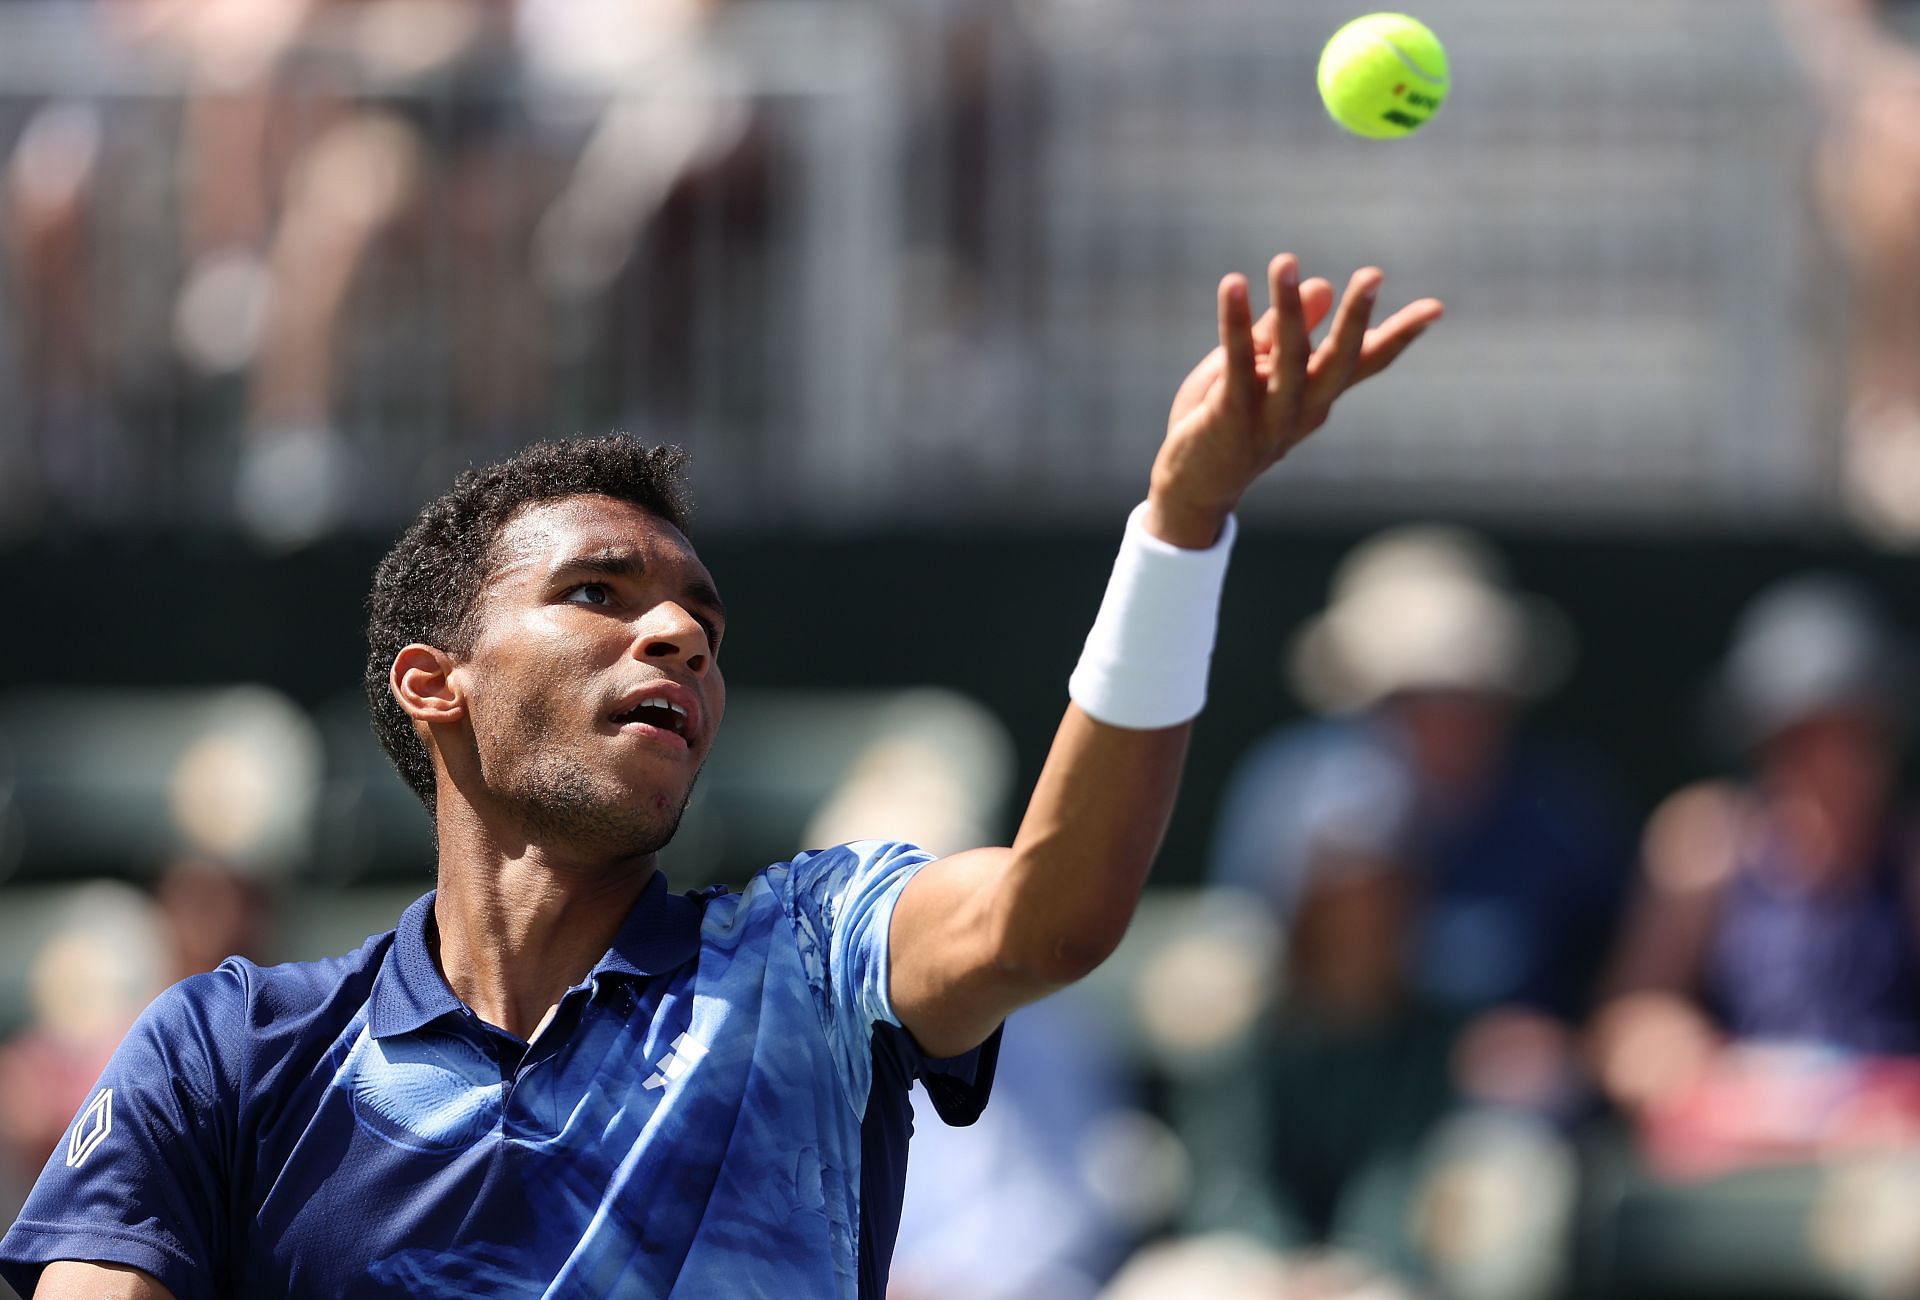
589,593
712,631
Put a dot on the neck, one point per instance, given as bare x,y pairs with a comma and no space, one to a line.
521,923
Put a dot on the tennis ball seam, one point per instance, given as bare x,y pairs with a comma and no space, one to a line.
1432,79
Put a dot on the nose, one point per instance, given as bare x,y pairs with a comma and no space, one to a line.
670,634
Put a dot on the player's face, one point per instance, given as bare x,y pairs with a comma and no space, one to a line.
592,686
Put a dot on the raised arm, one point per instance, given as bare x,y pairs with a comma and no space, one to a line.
978,934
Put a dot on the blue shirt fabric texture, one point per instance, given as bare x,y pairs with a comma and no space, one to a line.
719,1109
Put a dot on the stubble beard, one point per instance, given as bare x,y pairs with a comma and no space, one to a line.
560,804
559,800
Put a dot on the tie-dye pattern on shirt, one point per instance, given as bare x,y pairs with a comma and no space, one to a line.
689,1126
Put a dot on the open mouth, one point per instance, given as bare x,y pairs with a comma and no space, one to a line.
662,714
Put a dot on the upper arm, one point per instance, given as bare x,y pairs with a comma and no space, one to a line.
979,934
71,1279
948,985
1689,852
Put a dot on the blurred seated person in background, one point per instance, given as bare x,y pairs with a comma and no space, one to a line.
103,959
1447,891
316,137
1313,1136
1861,59
1423,661
212,910
108,953
1775,951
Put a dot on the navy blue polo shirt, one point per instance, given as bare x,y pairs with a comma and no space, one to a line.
720,1108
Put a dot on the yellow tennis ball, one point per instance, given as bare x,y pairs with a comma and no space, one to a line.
1383,76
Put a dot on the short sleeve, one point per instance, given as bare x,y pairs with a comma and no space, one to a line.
841,903
140,1177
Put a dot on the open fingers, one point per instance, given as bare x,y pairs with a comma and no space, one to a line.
1236,338
1287,378
1339,353
1316,300
1387,340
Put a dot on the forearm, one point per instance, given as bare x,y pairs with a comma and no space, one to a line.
977,934
1086,843
980,933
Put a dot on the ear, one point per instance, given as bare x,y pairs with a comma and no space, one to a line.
422,680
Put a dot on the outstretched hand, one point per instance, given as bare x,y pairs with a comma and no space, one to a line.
1264,389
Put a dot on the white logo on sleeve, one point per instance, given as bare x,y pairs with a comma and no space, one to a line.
685,1055
91,1129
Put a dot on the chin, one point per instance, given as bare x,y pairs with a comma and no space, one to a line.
624,820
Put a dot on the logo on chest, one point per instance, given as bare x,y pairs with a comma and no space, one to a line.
685,1054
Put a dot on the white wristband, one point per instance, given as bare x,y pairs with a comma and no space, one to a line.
1145,662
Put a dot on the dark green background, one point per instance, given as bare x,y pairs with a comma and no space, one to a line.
999,617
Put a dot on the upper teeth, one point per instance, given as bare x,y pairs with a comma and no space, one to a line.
663,704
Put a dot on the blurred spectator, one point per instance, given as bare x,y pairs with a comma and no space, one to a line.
100,965
975,234
1423,661
1780,908
1448,891
1863,60
211,911
317,133
672,178
670,106
52,430
1766,1001
1315,1133
1030,1202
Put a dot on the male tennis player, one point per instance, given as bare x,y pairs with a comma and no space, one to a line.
555,1077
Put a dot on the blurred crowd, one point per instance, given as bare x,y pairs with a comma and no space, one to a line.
1442,1024
277,264
249,245
1449,1018
1442,1021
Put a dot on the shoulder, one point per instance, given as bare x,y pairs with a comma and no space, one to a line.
240,1012
291,990
856,862
814,879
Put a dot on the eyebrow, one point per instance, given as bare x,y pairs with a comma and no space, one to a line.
628,564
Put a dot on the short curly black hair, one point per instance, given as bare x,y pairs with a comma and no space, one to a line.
426,588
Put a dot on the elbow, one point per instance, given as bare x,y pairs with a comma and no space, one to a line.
1055,961
1055,921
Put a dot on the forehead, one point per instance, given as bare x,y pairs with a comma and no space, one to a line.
545,535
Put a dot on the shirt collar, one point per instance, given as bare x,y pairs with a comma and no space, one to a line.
660,934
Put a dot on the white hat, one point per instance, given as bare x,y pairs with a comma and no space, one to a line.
1426,607
1806,644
